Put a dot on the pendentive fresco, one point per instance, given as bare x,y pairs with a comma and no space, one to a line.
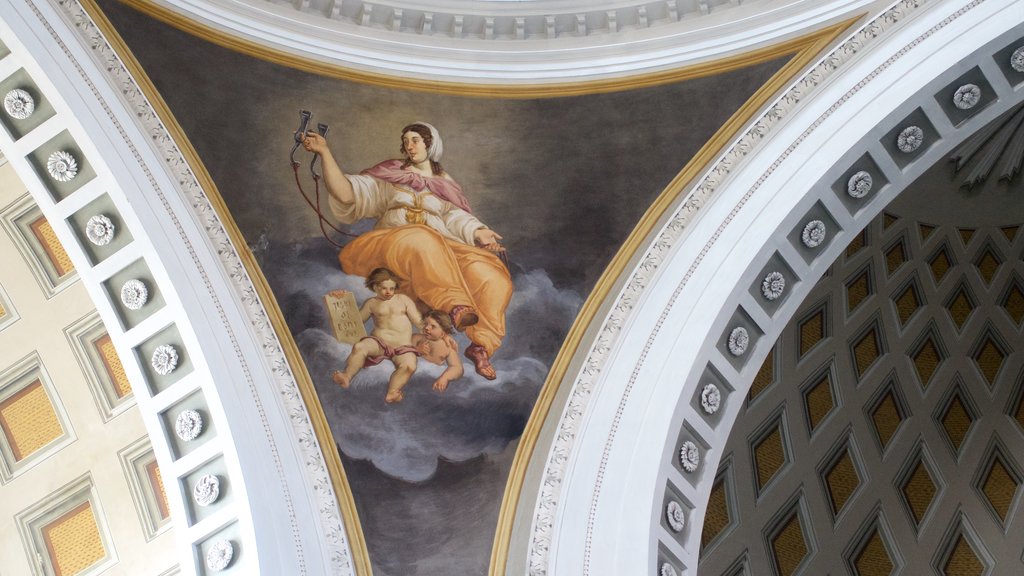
429,253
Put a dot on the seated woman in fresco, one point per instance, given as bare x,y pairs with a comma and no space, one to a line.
426,234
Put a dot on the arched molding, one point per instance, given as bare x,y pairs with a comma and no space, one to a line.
264,433
638,391
548,42
280,510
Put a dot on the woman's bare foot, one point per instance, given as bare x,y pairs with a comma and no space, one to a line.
481,363
341,379
394,397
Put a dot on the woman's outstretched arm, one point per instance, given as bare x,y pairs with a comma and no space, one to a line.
337,184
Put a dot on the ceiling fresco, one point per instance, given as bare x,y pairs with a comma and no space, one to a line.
458,328
563,181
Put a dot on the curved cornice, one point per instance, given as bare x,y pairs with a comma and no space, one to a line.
280,508
702,278
609,41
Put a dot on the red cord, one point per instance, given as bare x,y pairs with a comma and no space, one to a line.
316,207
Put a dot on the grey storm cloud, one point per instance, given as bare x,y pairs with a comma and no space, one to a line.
472,417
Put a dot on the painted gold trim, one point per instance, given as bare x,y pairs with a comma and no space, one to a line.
803,51
339,480
806,50
507,91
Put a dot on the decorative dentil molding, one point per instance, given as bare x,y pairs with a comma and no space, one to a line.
120,78
554,471
481,43
497,20
603,471
582,388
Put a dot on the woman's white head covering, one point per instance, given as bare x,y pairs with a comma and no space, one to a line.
436,149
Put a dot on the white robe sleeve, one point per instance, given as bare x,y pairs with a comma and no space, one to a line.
372,198
461,224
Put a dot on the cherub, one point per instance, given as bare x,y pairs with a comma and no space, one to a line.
394,316
436,345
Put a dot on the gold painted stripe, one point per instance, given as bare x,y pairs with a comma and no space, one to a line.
503,91
73,541
156,482
807,49
113,366
54,249
803,50
29,421
339,480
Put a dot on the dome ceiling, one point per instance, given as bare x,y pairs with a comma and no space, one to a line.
503,42
481,43
881,433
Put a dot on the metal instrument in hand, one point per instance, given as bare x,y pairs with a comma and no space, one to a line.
300,135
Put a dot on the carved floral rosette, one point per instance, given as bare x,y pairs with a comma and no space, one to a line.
557,464
206,490
689,456
739,339
1017,59
675,516
219,556
967,96
134,295
668,570
62,166
859,184
165,359
188,425
710,399
910,139
19,104
583,387
117,73
99,230
814,234
773,286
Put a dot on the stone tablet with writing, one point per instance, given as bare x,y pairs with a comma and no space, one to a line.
341,307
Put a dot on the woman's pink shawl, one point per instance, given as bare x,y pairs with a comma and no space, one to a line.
443,188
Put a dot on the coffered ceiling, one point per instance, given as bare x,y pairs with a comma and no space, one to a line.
883,432
80,488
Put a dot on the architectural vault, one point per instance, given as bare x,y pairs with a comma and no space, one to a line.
801,355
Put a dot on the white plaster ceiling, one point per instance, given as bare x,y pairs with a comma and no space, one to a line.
505,41
303,28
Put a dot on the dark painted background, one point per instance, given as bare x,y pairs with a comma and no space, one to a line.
564,180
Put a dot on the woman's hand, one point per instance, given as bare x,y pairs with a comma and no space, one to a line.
488,239
315,143
337,184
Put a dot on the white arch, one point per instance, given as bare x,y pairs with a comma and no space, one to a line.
264,432
617,435
558,41
281,513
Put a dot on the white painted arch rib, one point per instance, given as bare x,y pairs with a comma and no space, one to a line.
282,516
625,423
616,535
571,56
